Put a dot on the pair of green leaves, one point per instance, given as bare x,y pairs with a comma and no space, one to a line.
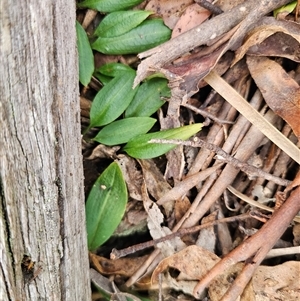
117,97
126,32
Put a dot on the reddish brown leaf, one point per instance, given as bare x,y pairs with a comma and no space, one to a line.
193,16
169,10
280,91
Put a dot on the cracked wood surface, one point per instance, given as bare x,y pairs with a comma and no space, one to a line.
41,177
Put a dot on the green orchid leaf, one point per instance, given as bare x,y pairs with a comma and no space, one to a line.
120,22
140,148
108,6
121,131
105,206
112,100
147,35
148,98
86,57
103,78
114,69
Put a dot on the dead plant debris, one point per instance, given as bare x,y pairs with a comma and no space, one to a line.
188,226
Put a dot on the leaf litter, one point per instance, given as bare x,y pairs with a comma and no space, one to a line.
257,56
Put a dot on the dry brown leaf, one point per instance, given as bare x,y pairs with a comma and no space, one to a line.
207,237
193,261
296,234
272,37
221,284
155,220
280,282
180,208
169,10
156,183
122,266
280,91
195,67
132,175
278,44
193,16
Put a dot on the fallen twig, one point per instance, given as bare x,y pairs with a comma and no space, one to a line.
182,232
245,167
254,250
206,114
255,203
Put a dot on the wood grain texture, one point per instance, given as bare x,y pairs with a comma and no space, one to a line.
41,176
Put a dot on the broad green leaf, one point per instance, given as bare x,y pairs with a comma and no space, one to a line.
139,147
113,69
120,22
112,100
86,57
108,6
105,206
121,131
147,99
147,35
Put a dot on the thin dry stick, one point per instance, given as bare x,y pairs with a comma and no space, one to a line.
254,249
209,6
206,114
182,187
255,203
124,252
215,136
241,105
283,252
249,169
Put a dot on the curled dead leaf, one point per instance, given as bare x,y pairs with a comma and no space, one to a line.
280,91
272,37
122,266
